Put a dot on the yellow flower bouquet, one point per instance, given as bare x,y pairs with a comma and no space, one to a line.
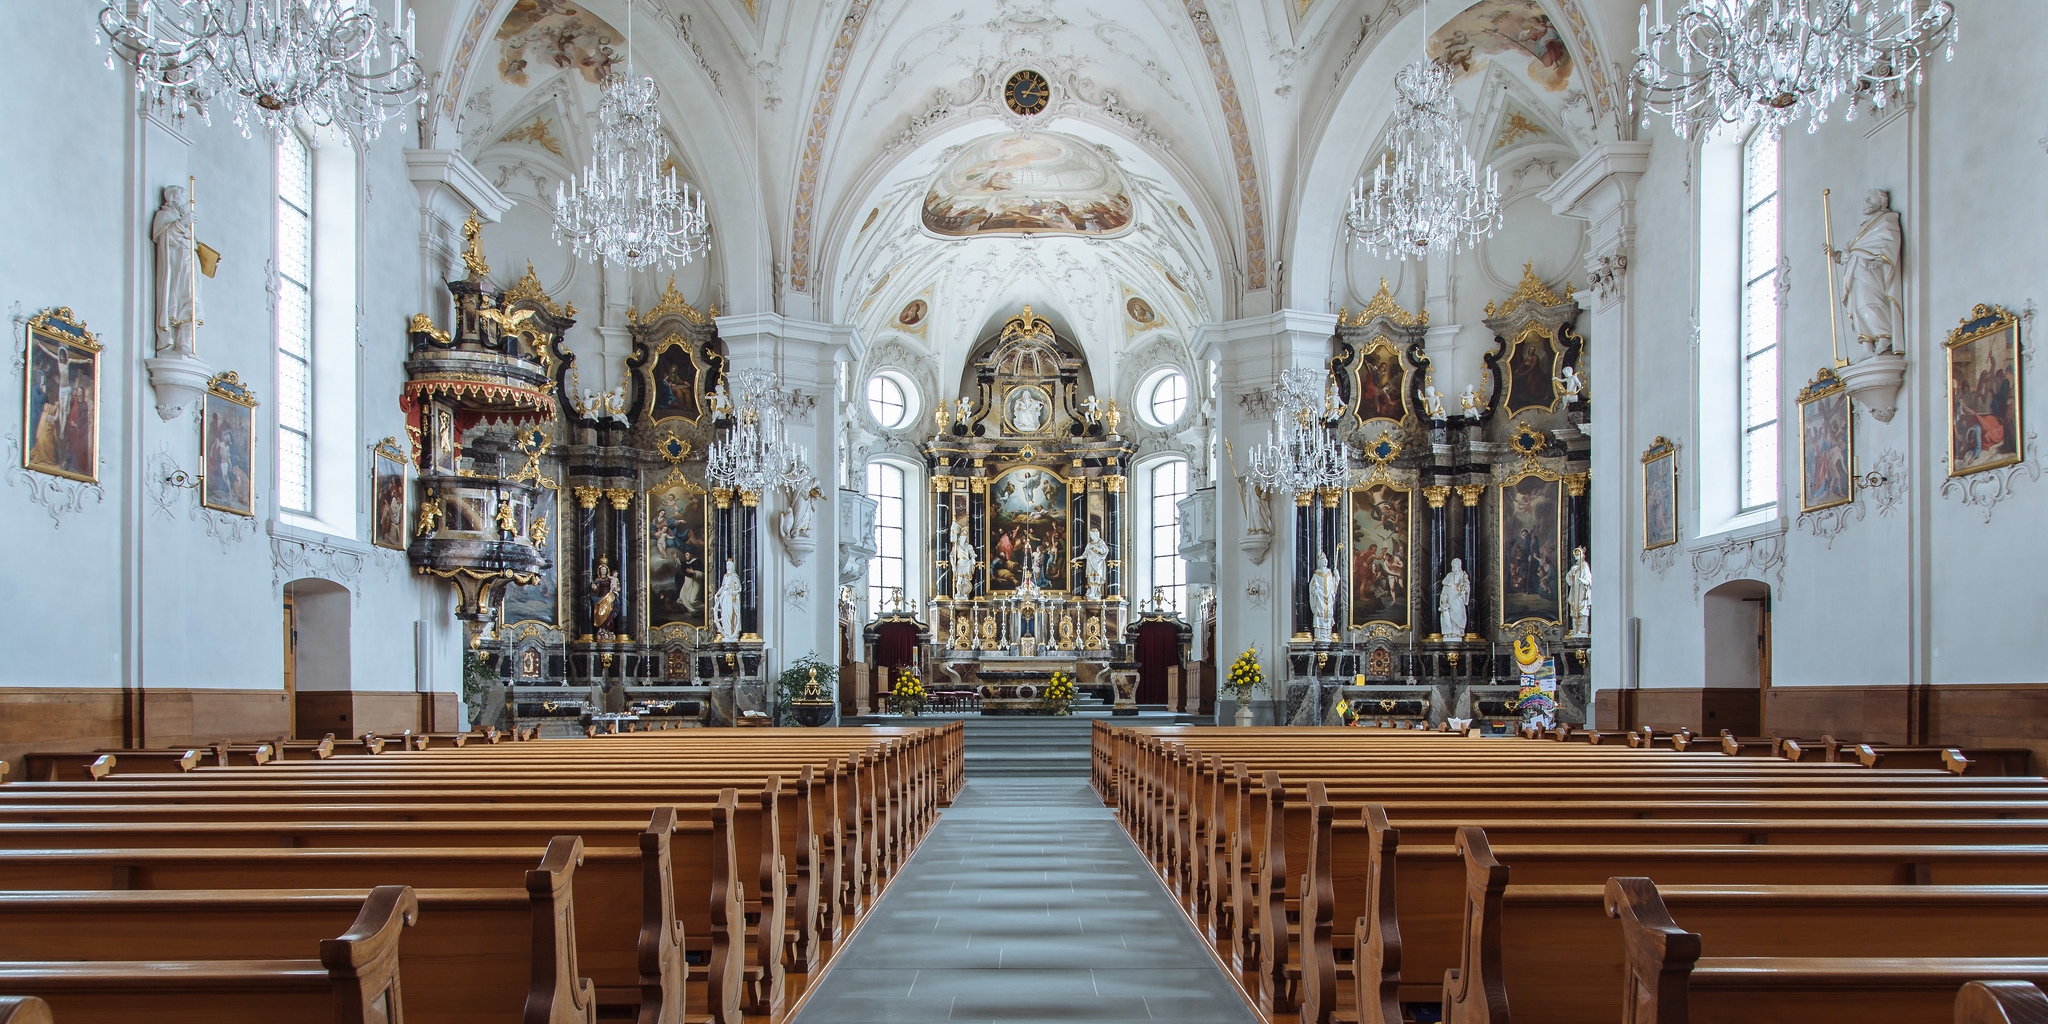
1059,693
908,694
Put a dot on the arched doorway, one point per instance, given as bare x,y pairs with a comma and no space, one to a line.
316,658
1737,626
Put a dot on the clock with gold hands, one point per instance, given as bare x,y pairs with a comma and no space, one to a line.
1027,93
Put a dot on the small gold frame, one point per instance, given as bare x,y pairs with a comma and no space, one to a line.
1662,450
1817,401
1982,325
387,464
229,406
55,343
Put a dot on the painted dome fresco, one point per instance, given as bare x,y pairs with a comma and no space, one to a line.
1043,182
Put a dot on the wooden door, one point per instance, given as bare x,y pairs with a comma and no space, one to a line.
1763,666
291,665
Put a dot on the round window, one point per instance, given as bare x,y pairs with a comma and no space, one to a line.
889,400
1164,397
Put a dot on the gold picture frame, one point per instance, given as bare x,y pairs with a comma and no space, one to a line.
1030,509
1986,426
227,446
389,508
1518,376
60,407
1372,407
1660,494
1827,444
1378,502
1529,549
676,391
680,576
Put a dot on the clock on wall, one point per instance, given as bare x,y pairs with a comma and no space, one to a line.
1027,93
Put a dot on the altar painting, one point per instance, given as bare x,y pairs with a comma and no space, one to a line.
1379,555
1531,532
678,549
537,602
1382,383
673,381
1027,535
1532,372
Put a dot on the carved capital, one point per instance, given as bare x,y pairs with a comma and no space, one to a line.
620,497
1436,495
1469,494
587,496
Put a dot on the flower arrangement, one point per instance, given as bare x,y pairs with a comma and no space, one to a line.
1245,675
907,694
1059,693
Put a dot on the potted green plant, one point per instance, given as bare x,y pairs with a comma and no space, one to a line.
806,689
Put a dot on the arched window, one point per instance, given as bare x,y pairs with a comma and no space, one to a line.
889,400
886,570
1166,483
295,325
1760,245
1163,397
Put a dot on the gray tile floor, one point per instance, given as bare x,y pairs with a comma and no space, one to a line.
1026,904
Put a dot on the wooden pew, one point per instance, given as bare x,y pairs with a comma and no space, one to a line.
24,1010
1996,1002
79,766
355,980
1668,980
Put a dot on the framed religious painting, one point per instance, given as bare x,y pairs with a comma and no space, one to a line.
1027,532
1827,450
1660,495
1380,529
227,437
60,433
539,601
673,381
679,587
1382,383
387,495
1984,423
1532,371
441,421
1530,537
1027,409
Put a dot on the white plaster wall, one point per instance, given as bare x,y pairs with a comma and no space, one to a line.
127,592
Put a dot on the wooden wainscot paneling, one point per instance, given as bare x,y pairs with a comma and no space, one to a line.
323,711
77,718
386,712
1990,715
1864,714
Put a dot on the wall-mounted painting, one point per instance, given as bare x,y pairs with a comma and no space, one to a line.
1026,184
1827,450
540,600
1027,537
1380,517
673,382
227,433
1531,534
1532,371
61,402
387,495
1984,423
1382,383
678,551
1660,495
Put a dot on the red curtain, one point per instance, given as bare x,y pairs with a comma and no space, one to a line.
1158,650
895,645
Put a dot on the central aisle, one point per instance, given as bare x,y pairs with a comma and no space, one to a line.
1026,903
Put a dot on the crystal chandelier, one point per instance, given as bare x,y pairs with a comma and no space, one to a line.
278,63
629,210
754,454
1768,63
1427,191
1302,454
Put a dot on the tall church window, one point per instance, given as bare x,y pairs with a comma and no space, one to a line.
1166,484
886,569
1759,317
295,325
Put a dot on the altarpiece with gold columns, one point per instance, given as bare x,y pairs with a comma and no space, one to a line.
575,521
1028,527
1493,475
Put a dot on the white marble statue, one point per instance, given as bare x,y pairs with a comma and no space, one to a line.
1454,599
1572,385
1091,410
1028,414
1095,557
1470,401
1322,601
1870,276
966,417
720,402
1432,402
1578,590
177,273
725,605
962,559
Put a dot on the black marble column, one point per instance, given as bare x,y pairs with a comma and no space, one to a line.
1475,568
749,565
621,501
977,534
1113,534
1304,562
942,537
1439,557
1580,529
586,557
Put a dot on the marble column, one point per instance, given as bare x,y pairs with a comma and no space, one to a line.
1438,564
586,557
621,501
1600,189
1475,567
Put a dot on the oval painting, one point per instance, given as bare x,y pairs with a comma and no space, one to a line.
1025,184
1140,310
913,313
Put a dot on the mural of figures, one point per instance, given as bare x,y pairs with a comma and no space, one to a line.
1530,535
387,489
62,420
675,385
539,602
1984,398
1027,537
1381,383
541,37
1824,452
1512,27
1379,556
1532,373
1023,184
678,532
228,433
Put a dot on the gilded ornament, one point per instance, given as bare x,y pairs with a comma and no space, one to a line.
528,289
424,324
1383,305
430,519
587,496
620,497
473,247
508,519
1530,290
